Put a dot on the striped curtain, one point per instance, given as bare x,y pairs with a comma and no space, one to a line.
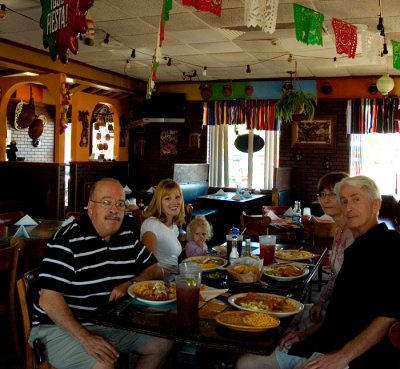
256,114
373,115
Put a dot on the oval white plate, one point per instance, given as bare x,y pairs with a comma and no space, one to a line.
195,259
149,302
279,314
285,279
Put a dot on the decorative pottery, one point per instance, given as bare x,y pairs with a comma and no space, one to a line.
206,91
227,90
36,129
249,90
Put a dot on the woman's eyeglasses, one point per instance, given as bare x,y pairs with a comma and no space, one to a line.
108,204
323,195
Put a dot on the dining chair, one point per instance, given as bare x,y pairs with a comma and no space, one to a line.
9,261
75,214
319,236
188,212
11,217
25,286
254,225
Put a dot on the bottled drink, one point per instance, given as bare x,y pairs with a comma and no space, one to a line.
297,211
247,250
234,252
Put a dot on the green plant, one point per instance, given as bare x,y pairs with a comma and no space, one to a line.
291,101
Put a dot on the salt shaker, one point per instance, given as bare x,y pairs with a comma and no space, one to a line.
234,253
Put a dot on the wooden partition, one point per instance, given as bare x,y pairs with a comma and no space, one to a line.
282,191
84,174
36,189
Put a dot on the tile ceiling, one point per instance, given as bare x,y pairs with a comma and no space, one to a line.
223,44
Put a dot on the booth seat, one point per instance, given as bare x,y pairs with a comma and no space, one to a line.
190,193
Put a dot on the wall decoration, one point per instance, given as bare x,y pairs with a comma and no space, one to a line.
122,131
194,140
318,132
169,142
83,117
61,21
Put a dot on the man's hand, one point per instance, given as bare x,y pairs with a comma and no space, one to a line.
119,291
290,338
100,348
333,360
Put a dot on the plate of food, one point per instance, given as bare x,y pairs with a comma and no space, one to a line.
293,254
220,249
276,305
286,272
247,321
153,292
208,262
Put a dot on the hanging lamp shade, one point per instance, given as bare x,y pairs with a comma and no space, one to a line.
385,84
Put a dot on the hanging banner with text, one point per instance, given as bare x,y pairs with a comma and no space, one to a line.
62,21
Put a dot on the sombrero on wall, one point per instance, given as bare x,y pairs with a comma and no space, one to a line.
24,113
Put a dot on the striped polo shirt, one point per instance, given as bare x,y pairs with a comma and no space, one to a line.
85,268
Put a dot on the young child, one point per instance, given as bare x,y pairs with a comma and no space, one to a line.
199,231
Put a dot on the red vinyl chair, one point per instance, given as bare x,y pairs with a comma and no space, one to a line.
11,217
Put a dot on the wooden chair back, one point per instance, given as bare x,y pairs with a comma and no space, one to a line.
139,218
9,261
11,217
75,214
254,225
25,287
188,212
319,235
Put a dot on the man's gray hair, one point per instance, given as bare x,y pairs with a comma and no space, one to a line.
364,182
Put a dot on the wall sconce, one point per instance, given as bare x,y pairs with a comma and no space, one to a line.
326,164
3,12
297,155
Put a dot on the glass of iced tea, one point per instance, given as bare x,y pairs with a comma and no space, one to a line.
267,248
187,298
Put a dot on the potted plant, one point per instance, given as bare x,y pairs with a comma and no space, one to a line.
295,101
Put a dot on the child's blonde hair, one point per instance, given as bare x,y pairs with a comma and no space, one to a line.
199,221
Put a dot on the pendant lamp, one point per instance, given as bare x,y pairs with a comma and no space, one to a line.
385,84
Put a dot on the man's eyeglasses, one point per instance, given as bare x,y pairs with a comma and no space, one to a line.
108,204
323,195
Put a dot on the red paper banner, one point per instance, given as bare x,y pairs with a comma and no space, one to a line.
346,37
212,6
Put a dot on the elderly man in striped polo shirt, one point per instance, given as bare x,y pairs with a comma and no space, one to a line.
87,263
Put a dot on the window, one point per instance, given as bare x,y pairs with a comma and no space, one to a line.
230,167
377,156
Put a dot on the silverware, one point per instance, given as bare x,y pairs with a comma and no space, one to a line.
124,306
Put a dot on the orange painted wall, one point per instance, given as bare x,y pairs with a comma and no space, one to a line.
84,101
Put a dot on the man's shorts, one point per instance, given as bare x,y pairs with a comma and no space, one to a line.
63,351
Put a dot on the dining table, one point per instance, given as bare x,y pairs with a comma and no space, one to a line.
161,320
44,229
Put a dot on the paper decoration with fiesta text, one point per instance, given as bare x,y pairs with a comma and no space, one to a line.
308,24
169,142
396,54
61,21
212,6
346,37
167,6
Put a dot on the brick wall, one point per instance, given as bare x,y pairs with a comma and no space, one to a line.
45,151
307,172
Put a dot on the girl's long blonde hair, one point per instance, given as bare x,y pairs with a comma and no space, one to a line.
164,188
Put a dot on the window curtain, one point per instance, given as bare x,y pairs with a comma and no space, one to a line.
356,154
373,115
257,114
219,157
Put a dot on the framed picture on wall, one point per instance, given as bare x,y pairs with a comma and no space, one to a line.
318,132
